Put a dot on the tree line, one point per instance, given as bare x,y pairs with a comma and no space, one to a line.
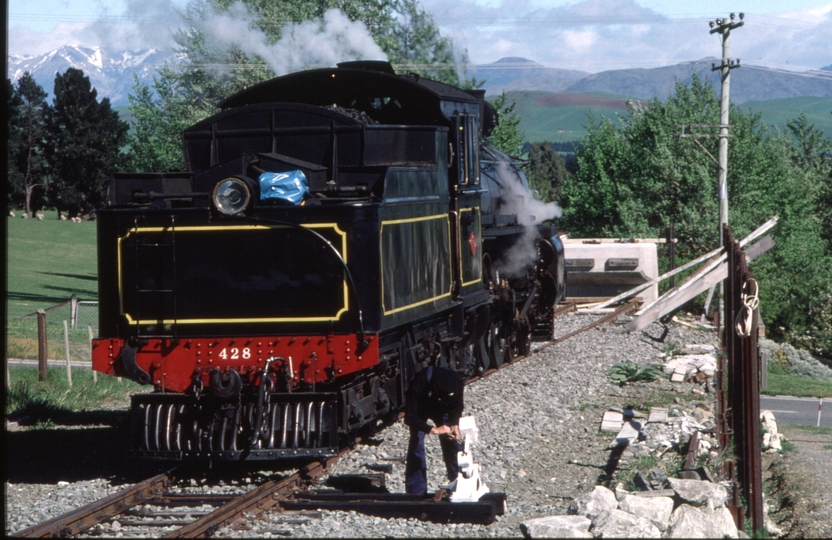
61,154
638,178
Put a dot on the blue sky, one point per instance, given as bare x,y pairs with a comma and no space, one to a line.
587,35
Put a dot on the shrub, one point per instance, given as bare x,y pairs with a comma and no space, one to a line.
628,371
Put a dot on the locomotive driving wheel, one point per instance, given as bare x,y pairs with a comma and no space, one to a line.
523,337
482,352
499,344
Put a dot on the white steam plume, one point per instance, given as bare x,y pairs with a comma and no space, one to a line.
530,211
316,43
151,25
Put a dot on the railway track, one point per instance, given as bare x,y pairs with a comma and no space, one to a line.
153,505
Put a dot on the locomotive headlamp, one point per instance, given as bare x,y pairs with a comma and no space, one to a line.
231,196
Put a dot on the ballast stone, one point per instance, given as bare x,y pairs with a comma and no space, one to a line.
557,527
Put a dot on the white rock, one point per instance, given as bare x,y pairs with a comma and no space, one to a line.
699,493
557,527
620,524
594,503
690,522
656,509
724,521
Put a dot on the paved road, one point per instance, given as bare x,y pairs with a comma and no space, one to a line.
798,411
14,362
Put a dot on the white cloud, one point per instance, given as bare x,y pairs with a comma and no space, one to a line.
595,35
144,24
24,41
588,35
579,41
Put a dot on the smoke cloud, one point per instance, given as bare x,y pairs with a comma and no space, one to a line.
530,211
316,43
146,24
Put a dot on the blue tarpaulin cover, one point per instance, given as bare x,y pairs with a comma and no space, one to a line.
290,186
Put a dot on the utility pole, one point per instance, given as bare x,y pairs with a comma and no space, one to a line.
724,27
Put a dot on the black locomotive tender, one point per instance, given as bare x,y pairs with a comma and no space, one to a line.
276,329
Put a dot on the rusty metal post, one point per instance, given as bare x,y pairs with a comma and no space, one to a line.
754,471
671,241
744,391
43,372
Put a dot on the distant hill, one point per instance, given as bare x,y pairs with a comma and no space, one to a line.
777,112
515,74
562,117
553,102
748,83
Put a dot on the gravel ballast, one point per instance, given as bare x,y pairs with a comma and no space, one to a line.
539,443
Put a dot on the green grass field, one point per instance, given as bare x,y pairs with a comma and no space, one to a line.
786,385
48,261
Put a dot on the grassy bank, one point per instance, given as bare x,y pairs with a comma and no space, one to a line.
787,385
49,402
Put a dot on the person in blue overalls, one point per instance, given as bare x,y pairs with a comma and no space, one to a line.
434,394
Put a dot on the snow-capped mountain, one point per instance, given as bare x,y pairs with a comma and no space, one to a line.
111,73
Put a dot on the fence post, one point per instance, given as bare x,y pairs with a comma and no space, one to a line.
73,310
68,362
43,372
94,374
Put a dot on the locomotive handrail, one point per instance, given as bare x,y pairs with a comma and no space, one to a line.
363,341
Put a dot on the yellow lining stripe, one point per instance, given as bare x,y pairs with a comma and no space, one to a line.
139,230
381,253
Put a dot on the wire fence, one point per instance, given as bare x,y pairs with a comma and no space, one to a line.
81,325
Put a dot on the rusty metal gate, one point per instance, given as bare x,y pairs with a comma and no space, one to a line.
738,401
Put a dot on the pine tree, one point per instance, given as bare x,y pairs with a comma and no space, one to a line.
507,136
14,180
85,138
547,170
27,129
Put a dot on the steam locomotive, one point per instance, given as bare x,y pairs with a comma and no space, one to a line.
337,230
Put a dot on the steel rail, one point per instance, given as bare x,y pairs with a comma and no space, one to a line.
87,516
629,307
256,501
